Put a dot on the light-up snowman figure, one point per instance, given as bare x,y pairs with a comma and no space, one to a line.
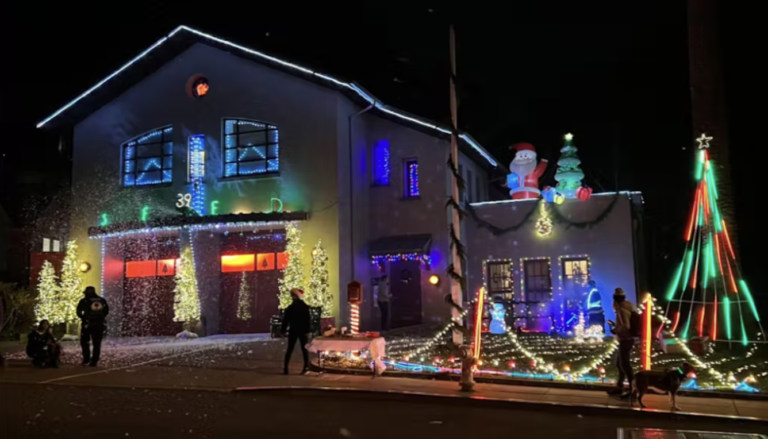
498,314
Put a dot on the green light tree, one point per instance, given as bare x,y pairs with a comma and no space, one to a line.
186,303
71,286
319,293
244,301
49,306
293,276
568,174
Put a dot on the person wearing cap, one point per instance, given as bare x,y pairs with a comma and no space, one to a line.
92,311
296,322
623,331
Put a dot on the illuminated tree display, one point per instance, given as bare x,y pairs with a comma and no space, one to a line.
293,276
319,293
186,303
707,295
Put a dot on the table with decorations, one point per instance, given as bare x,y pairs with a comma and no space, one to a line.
337,342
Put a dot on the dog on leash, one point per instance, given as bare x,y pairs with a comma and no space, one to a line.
668,382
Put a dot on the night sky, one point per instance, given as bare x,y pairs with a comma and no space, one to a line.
613,74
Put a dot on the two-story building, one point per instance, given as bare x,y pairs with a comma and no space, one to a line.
251,142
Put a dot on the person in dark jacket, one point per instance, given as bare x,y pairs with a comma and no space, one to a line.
42,347
296,322
92,311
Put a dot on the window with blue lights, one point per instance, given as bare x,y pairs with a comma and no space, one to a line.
381,166
250,148
411,168
148,159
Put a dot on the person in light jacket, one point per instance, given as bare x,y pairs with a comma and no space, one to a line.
624,334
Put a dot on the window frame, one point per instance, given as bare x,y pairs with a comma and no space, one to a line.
542,295
267,128
565,278
165,130
407,194
504,293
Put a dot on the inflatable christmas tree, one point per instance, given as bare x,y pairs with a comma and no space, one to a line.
568,174
708,296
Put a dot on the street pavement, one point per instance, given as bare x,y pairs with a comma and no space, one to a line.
149,388
49,411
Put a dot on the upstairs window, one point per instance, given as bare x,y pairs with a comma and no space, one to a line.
148,159
250,148
381,167
412,179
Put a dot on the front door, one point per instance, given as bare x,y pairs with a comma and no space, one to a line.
405,287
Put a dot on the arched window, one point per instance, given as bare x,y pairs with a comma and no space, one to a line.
148,158
250,148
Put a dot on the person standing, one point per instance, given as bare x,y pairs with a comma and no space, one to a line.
625,335
296,322
383,299
92,311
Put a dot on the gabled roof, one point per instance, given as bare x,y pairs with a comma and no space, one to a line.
183,37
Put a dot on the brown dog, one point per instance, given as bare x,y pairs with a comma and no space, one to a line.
668,382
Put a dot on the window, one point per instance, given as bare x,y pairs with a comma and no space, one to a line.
250,148
500,279
412,179
575,273
148,159
538,282
46,245
381,167
56,245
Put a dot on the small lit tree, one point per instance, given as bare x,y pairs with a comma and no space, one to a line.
71,285
293,276
319,293
244,301
186,303
50,305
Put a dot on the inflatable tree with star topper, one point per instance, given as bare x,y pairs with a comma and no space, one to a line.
568,174
708,296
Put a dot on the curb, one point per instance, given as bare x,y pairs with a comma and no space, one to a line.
536,383
501,402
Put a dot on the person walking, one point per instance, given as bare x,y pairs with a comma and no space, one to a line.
296,322
625,335
383,299
92,311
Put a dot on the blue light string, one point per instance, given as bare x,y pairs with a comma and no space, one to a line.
413,179
197,172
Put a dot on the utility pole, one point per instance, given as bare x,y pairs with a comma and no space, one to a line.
456,290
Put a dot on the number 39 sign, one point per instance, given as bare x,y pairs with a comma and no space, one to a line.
184,200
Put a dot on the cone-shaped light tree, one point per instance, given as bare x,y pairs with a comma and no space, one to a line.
568,174
49,306
319,293
186,302
244,300
707,295
71,285
293,275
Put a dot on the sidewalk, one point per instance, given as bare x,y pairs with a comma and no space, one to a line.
257,365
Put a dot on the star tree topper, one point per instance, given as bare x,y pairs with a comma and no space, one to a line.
704,141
